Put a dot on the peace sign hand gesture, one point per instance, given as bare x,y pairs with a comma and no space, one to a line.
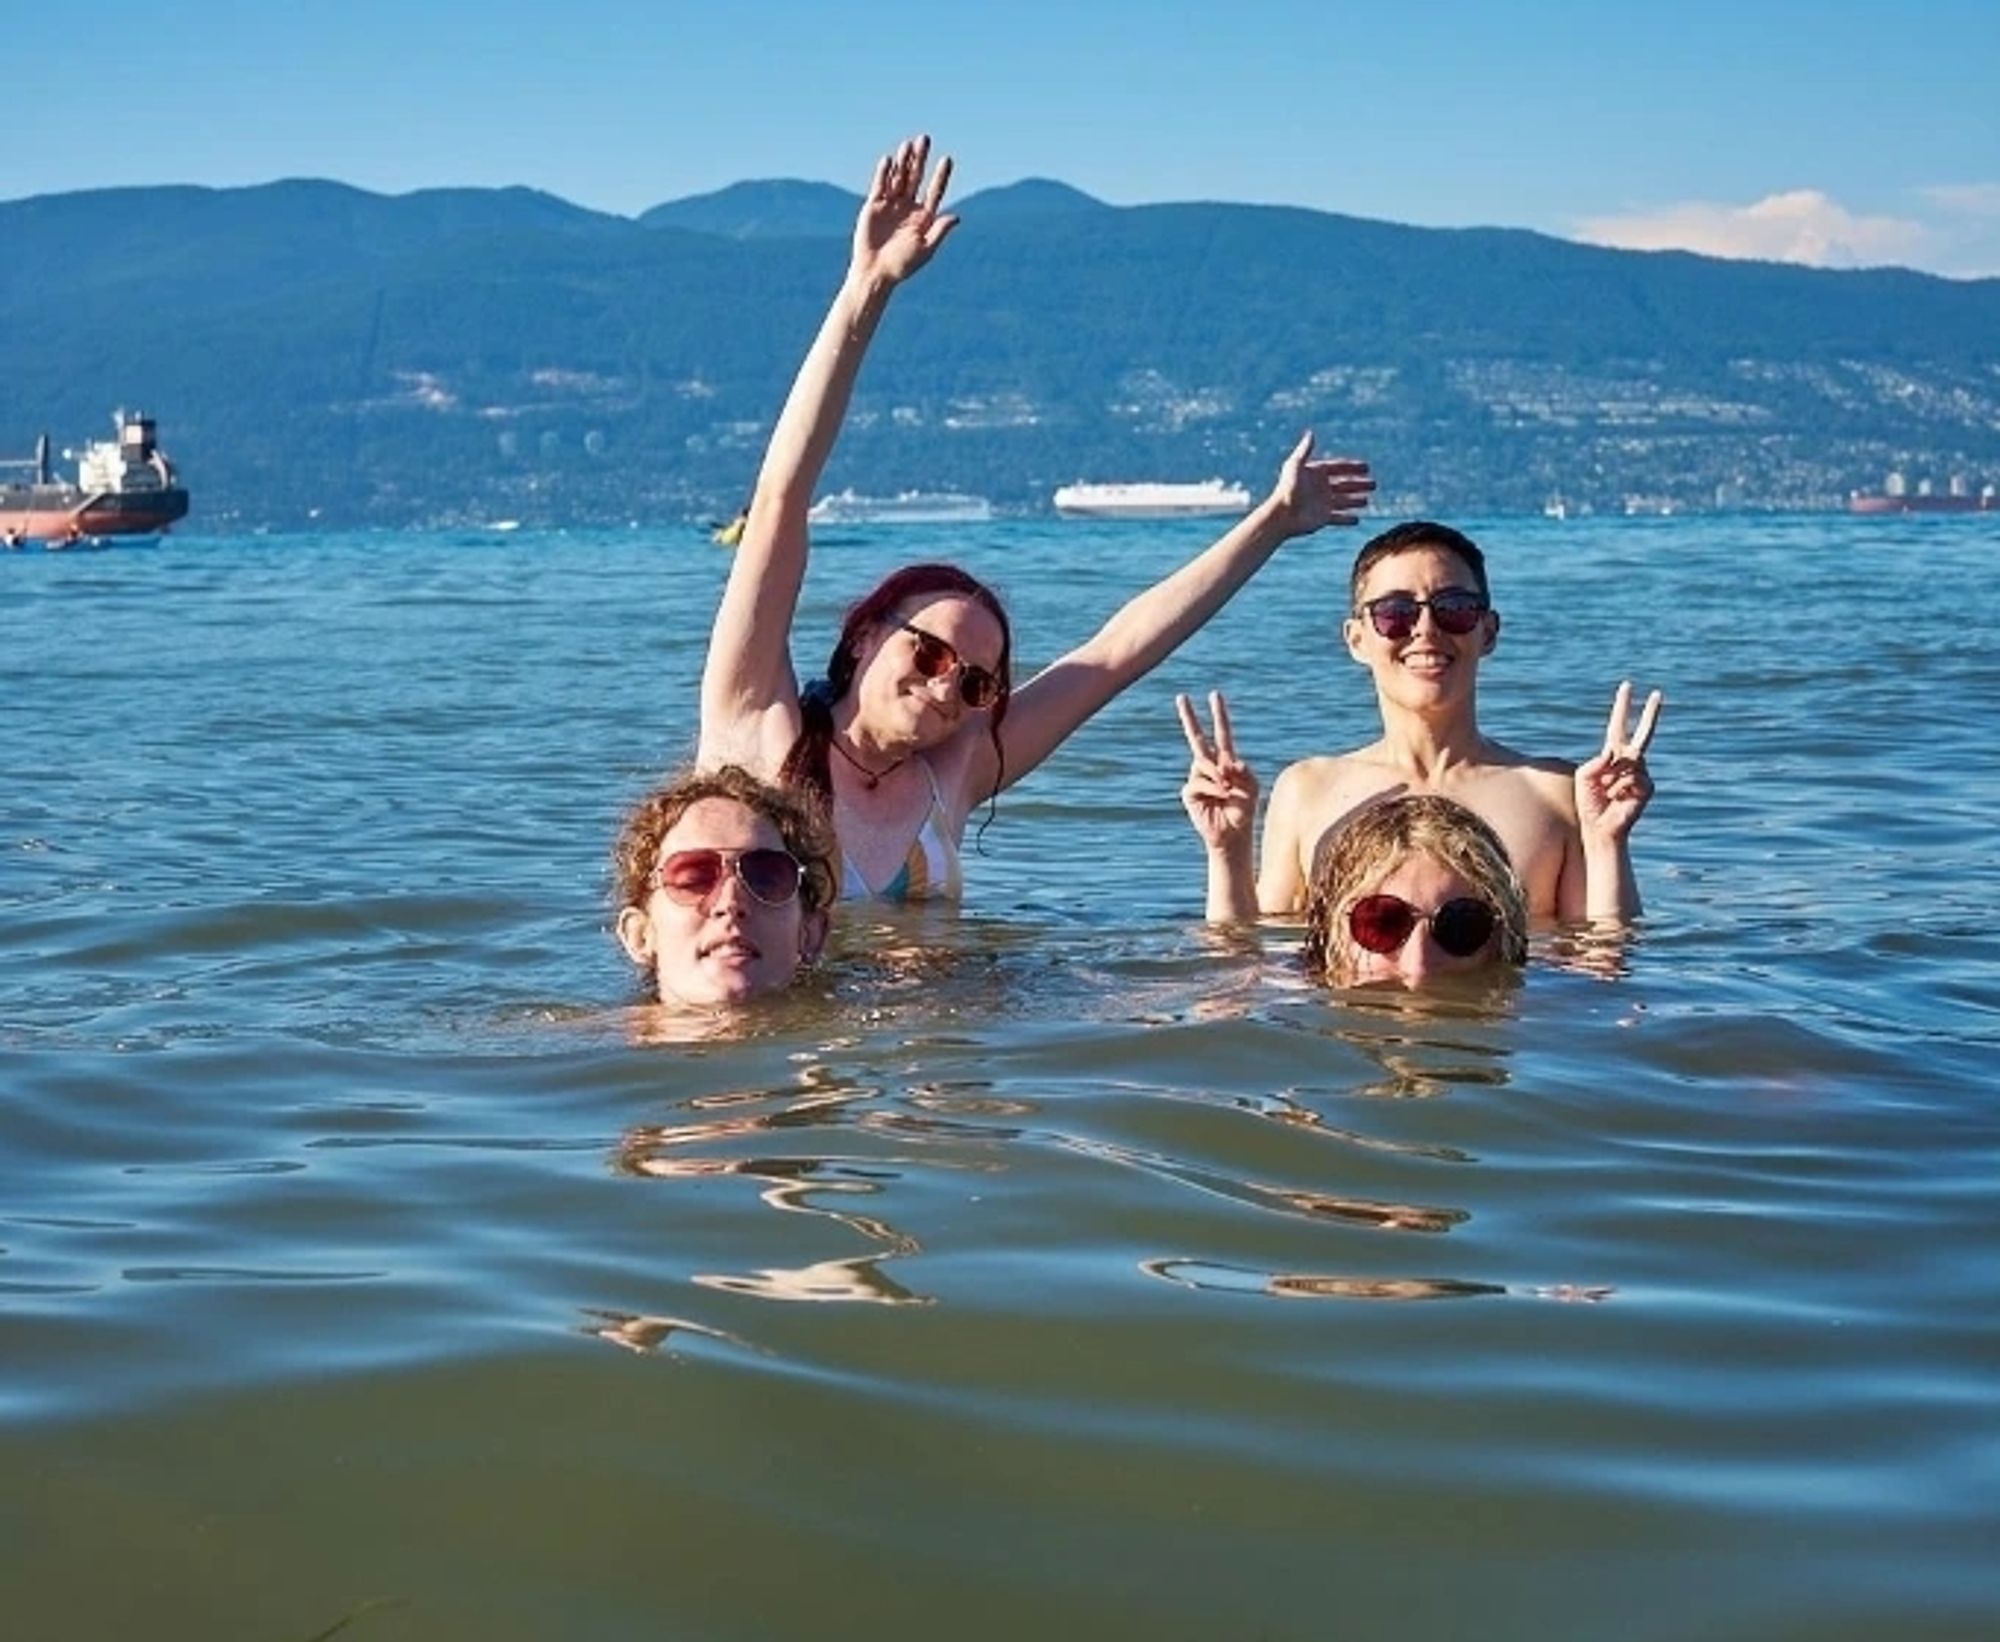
1220,796
1613,788
900,227
1310,495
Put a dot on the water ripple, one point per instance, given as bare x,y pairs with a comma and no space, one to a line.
968,1284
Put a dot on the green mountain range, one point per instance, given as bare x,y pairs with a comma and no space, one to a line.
316,352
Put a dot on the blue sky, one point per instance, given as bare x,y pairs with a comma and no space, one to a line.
1842,132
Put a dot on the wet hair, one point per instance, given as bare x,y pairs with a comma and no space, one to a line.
1406,538
801,824
1369,845
805,766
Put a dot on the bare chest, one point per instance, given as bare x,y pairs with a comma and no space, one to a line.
877,827
1526,808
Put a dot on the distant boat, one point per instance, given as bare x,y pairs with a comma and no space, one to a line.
124,487
1896,497
1151,501
909,507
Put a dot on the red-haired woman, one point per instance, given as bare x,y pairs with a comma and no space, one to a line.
917,723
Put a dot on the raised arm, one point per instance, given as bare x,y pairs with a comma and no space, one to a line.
749,694
1048,709
1220,798
1612,791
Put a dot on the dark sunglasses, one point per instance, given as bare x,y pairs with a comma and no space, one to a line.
692,876
1456,610
1382,923
934,659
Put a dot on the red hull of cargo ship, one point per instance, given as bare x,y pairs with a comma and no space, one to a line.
1922,504
58,522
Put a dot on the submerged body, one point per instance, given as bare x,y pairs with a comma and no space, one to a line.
723,885
1413,890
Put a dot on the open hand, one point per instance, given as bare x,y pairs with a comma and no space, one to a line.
1613,788
1220,796
1312,494
900,227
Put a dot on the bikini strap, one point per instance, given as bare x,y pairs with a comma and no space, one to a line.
937,798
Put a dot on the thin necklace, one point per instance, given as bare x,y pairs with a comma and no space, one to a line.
871,779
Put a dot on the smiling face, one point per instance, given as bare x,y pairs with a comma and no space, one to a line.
728,945
896,704
1429,666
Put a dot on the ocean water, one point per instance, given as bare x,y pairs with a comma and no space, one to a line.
367,1268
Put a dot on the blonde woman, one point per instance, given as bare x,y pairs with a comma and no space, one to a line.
1408,889
1411,889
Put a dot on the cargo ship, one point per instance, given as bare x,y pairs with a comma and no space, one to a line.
1896,496
124,487
1151,500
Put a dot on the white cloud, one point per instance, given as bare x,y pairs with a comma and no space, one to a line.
1965,199
1804,226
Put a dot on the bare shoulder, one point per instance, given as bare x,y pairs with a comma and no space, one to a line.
1310,781
1550,779
1499,756
1531,803
1316,794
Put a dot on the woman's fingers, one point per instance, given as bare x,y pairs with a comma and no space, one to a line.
1621,705
1191,728
1615,738
1332,491
934,197
1301,454
1222,775
1649,716
1217,780
1617,780
899,175
1225,735
1208,799
1221,749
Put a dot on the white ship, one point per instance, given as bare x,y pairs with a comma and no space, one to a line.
1151,501
909,507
